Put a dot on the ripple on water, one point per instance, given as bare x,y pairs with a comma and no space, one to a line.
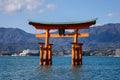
27,68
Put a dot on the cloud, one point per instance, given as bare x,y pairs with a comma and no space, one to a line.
10,6
113,14
110,14
41,11
33,4
51,6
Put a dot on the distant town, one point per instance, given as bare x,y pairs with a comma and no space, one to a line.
28,52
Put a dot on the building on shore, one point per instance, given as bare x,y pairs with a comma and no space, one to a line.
28,52
24,52
117,53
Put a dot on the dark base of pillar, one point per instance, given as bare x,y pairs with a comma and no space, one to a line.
77,62
46,62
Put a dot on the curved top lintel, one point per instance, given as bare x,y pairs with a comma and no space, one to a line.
65,25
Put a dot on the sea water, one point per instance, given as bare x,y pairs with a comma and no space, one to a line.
27,68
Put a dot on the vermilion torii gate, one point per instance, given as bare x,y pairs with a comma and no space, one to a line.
46,49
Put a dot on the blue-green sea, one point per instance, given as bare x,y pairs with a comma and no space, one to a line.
27,68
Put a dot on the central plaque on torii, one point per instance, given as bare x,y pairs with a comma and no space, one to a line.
46,48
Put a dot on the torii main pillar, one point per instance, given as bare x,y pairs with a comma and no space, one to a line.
46,48
76,50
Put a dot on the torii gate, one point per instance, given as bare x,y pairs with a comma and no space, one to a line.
46,50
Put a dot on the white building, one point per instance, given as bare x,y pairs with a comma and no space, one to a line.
28,52
117,53
24,52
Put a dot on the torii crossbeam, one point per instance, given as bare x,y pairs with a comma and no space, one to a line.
46,50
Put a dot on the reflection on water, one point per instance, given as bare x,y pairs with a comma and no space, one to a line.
26,68
45,72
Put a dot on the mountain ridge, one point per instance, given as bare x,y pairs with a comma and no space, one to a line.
104,36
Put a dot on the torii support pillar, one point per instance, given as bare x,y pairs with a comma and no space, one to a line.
76,54
41,53
45,59
50,54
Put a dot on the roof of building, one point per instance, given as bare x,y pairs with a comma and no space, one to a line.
56,25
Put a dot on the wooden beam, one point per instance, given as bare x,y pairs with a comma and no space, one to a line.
58,36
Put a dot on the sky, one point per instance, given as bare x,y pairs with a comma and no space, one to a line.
18,13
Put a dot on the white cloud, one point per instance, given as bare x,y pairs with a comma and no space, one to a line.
16,5
11,6
41,11
51,6
33,4
110,14
113,14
